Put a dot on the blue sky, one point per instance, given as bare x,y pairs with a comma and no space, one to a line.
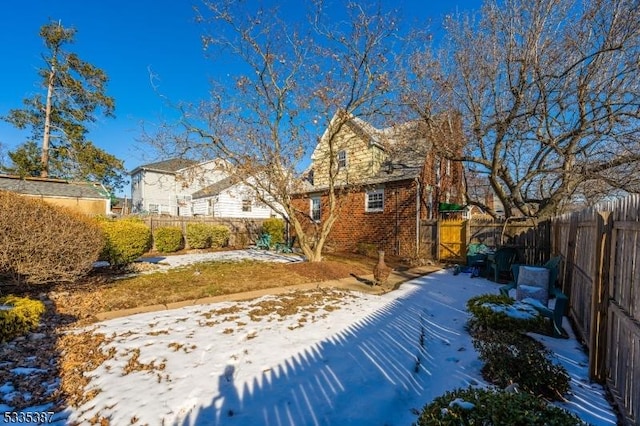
129,39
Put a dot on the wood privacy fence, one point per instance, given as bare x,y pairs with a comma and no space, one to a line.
242,231
601,275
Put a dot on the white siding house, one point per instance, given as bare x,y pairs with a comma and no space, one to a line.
179,187
230,198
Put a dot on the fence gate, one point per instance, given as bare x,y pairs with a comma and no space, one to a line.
452,240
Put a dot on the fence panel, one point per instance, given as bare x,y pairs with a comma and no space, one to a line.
429,239
242,231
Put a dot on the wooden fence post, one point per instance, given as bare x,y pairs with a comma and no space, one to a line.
600,298
567,280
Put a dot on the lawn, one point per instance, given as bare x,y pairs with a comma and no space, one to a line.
107,290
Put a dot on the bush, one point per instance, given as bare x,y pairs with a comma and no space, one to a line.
198,235
274,227
22,316
126,240
516,358
168,239
486,407
500,312
203,235
219,235
41,243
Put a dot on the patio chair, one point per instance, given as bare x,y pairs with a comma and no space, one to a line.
286,247
264,242
501,263
561,300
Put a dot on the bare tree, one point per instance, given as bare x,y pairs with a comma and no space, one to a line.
549,92
288,83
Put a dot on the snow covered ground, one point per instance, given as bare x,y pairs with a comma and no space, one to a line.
341,359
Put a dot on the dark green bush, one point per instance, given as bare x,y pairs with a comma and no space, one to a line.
493,408
512,357
22,316
168,239
198,236
126,240
42,243
490,311
274,227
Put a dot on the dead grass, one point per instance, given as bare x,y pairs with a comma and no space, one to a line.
109,293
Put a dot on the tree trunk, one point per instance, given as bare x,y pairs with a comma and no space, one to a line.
44,159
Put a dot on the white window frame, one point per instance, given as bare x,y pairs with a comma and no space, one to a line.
154,208
342,159
368,201
315,213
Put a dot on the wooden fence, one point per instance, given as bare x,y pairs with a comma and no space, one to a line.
600,274
600,247
242,231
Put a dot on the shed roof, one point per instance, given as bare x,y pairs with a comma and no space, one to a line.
52,187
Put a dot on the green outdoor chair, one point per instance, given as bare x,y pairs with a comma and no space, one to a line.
561,300
286,247
264,242
501,263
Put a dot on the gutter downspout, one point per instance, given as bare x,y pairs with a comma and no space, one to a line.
418,191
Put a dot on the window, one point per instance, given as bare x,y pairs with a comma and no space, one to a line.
438,167
374,201
315,210
246,205
310,176
153,208
448,167
342,158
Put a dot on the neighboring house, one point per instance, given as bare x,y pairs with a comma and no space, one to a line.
83,197
165,187
390,180
230,198
179,187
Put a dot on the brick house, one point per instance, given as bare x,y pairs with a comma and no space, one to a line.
390,181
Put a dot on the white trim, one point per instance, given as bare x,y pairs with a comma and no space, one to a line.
376,192
312,210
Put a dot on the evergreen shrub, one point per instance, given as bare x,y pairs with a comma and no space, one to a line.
168,239
474,406
274,227
126,240
198,235
219,235
511,357
18,316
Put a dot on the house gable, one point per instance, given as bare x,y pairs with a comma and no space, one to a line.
363,154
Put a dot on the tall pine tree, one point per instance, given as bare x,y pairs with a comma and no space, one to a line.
73,91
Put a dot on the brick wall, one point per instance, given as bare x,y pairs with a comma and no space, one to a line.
393,229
